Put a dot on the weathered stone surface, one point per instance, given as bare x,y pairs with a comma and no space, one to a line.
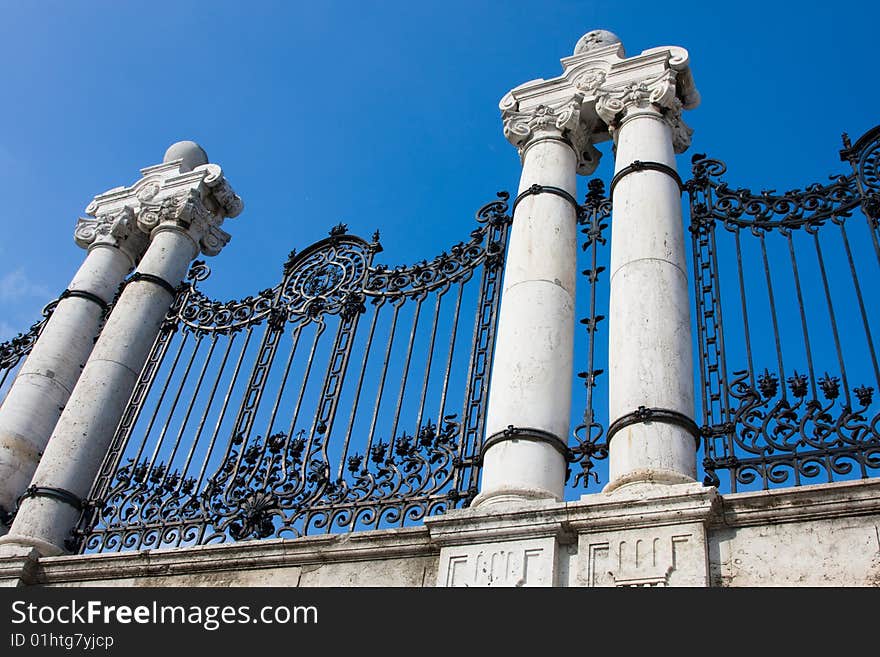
396,557
669,535
820,535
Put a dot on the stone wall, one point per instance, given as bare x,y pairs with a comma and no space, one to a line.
683,535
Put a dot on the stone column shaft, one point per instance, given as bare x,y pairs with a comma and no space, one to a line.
531,374
181,210
84,431
650,345
46,379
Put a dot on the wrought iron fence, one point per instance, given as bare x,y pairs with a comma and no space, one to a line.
588,445
786,305
349,396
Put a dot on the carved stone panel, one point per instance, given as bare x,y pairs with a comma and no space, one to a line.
530,562
656,556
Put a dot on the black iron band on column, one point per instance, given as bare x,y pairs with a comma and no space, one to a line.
638,165
544,189
152,278
59,494
524,433
644,415
82,294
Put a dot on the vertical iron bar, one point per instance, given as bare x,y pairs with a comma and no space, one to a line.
409,350
191,404
302,389
224,407
801,308
357,392
452,338
283,384
153,417
773,312
831,315
167,422
430,358
745,312
208,404
391,332
858,288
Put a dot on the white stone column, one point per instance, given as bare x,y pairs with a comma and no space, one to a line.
45,380
529,405
651,429
182,214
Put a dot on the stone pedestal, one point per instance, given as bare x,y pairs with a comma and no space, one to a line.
649,537
181,210
657,537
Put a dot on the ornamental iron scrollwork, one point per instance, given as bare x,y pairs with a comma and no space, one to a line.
349,396
786,311
589,445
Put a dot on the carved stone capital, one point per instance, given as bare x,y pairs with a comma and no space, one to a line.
187,211
561,120
681,131
191,196
116,227
228,201
657,94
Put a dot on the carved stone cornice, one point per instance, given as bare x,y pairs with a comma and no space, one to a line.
559,120
117,227
596,89
196,200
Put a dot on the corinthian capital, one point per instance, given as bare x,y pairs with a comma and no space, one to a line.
560,119
114,227
657,94
187,211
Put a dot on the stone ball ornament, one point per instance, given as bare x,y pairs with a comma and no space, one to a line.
190,152
595,39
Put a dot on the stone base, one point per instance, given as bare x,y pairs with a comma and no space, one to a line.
665,535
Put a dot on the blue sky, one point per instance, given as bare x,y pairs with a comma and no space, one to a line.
379,115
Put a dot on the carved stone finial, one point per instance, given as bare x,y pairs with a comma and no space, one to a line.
594,40
191,154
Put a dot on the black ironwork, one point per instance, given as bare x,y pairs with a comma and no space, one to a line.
784,359
13,352
639,165
525,433
645,415
60,494
152,278
324,403
588,446
88,296
545,189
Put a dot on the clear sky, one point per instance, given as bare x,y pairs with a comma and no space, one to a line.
377,114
